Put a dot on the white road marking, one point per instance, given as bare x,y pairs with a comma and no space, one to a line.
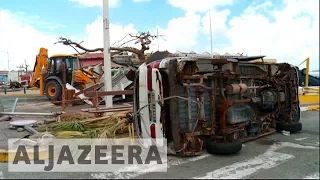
249,167
301,139
172,161
178,161
312,176
303,108
1,175
243,169
252,166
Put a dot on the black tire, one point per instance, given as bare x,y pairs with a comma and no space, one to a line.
58,90
292,128
224,148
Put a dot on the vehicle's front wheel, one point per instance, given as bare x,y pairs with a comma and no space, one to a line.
223,148
53,90
292,128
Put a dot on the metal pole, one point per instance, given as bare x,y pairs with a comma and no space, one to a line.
210,31
15,105
107,58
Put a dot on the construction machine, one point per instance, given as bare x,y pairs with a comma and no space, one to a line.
51,70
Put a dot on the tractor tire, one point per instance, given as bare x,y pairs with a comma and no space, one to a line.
223,148
53,90
292,128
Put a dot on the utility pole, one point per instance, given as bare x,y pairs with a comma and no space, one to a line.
107,58
210,32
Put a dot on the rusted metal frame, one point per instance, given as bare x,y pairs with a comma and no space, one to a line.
188,109
197,85
187,117
89,89
96,104
109,110
258,136
239,101
108,93
185,77
64,103
219,61
174,106
213,104
118,107
192,134
224,106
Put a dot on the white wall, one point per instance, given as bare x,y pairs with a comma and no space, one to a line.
13,76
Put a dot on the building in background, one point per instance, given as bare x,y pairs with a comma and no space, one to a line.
93,59
13,75
3,76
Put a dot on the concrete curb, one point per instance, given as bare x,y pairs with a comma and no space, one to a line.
310,108
309,98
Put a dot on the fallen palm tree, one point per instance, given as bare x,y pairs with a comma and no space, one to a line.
81,126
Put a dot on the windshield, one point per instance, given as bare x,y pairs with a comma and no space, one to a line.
71,63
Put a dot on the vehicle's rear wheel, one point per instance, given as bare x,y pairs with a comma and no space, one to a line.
53,90
223,148
292,128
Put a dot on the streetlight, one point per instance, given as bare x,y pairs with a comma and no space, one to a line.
107,60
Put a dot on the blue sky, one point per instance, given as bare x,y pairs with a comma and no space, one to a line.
262,29
143,15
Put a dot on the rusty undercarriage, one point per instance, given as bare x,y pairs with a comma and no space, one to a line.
236,101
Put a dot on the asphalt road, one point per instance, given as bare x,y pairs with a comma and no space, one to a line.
274,156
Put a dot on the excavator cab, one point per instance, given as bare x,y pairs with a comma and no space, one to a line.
54,77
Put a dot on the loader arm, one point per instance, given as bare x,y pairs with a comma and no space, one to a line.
41,62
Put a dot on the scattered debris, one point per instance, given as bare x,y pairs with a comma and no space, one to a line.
286,133
20,129
22,123
5,118
30,129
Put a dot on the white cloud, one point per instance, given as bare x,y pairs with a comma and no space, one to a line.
291,37
180,34
196,6
23,41
218,22
141,0
94,34
98,3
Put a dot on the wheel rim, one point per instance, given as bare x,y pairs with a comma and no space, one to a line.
52,90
